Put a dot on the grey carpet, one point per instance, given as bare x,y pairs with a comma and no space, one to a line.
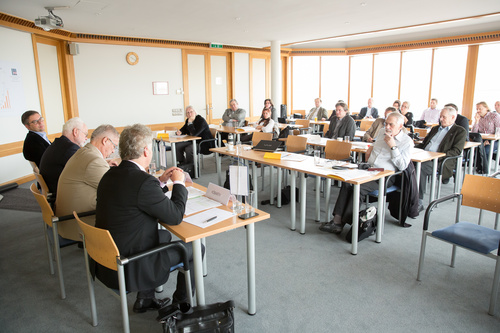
19,199
304,283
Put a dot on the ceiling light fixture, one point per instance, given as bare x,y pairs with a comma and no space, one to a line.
51,21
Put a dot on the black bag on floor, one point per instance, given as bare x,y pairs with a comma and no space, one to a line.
181,318
189,168
366,226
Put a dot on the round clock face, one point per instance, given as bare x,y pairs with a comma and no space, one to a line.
132,58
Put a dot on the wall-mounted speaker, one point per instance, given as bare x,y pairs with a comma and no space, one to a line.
73,49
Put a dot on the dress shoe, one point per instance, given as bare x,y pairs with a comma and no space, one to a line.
445,181
331,227
143,304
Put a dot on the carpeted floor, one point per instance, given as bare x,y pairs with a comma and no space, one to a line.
19,199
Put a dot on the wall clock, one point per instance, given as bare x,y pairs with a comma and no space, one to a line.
132,58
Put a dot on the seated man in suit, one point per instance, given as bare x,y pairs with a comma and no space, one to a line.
77,186
74,134
342,124
391,151
233,117
371,133
368,111
36,140
318,111
130,202
447,138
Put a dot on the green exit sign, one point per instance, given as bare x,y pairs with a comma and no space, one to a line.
215,46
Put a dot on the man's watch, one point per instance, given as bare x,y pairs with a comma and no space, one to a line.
394,147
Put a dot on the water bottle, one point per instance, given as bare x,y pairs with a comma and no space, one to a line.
230,139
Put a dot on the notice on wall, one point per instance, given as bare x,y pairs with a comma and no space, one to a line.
12,101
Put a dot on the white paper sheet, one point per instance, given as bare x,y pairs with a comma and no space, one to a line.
238,179
198,204
293,157
200,220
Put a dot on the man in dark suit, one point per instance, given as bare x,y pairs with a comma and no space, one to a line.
342,124
447,138
368,111
36,140
130,202
74,134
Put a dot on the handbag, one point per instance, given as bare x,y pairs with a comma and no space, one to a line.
181,318
366,226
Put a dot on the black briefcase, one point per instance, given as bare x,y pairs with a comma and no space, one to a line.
181,318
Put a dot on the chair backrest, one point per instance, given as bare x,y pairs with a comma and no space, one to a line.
42,183
302,112
259,136
213,131
330,113
481,192
169,129
47,212
325,129
296,143
422,132
35,168
99,244
365,125
337,150
303,122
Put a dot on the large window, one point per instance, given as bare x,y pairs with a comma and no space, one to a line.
305,82
488,75
415,80
334,80
385,80
448,76
361,81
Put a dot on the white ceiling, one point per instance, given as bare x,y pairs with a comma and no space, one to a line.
255,23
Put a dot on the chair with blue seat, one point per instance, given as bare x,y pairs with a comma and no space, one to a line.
478,192
100,246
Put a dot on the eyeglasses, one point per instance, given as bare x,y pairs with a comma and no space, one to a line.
114,146
85,133
38,121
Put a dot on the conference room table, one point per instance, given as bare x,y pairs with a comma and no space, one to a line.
303,167
173,139
191,233
234,130
418,156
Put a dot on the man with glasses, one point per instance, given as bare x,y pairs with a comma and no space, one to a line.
77,186
391,151
36,140
74,135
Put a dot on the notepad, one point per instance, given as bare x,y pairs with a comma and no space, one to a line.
163,135
274,156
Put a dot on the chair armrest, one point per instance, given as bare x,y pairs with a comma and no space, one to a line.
396,173
446,159
434,203
206,141
493,175
72,217
177,244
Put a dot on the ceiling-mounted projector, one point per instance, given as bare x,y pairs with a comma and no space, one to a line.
49,22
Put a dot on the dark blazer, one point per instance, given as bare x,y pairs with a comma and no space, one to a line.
54,159
409,205
363,111
129,204
347,127
452,144
463,122
34,147
199,127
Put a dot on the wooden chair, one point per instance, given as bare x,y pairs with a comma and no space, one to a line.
296,144
422,132
478,192
337,150
304,123
259,136
325,129
365,124
34,167
101,247
302,112
43,186
50,222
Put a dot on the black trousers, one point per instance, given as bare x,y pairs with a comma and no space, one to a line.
175,256
343,206
182,148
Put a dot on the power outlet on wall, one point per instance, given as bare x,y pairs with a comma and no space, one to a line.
176,112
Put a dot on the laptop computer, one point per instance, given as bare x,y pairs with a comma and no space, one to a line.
267,145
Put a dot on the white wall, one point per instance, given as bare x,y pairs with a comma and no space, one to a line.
17,49
109,90
242,81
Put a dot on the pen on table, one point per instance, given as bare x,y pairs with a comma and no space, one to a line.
210,219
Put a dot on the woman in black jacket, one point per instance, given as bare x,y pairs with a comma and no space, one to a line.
195,125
